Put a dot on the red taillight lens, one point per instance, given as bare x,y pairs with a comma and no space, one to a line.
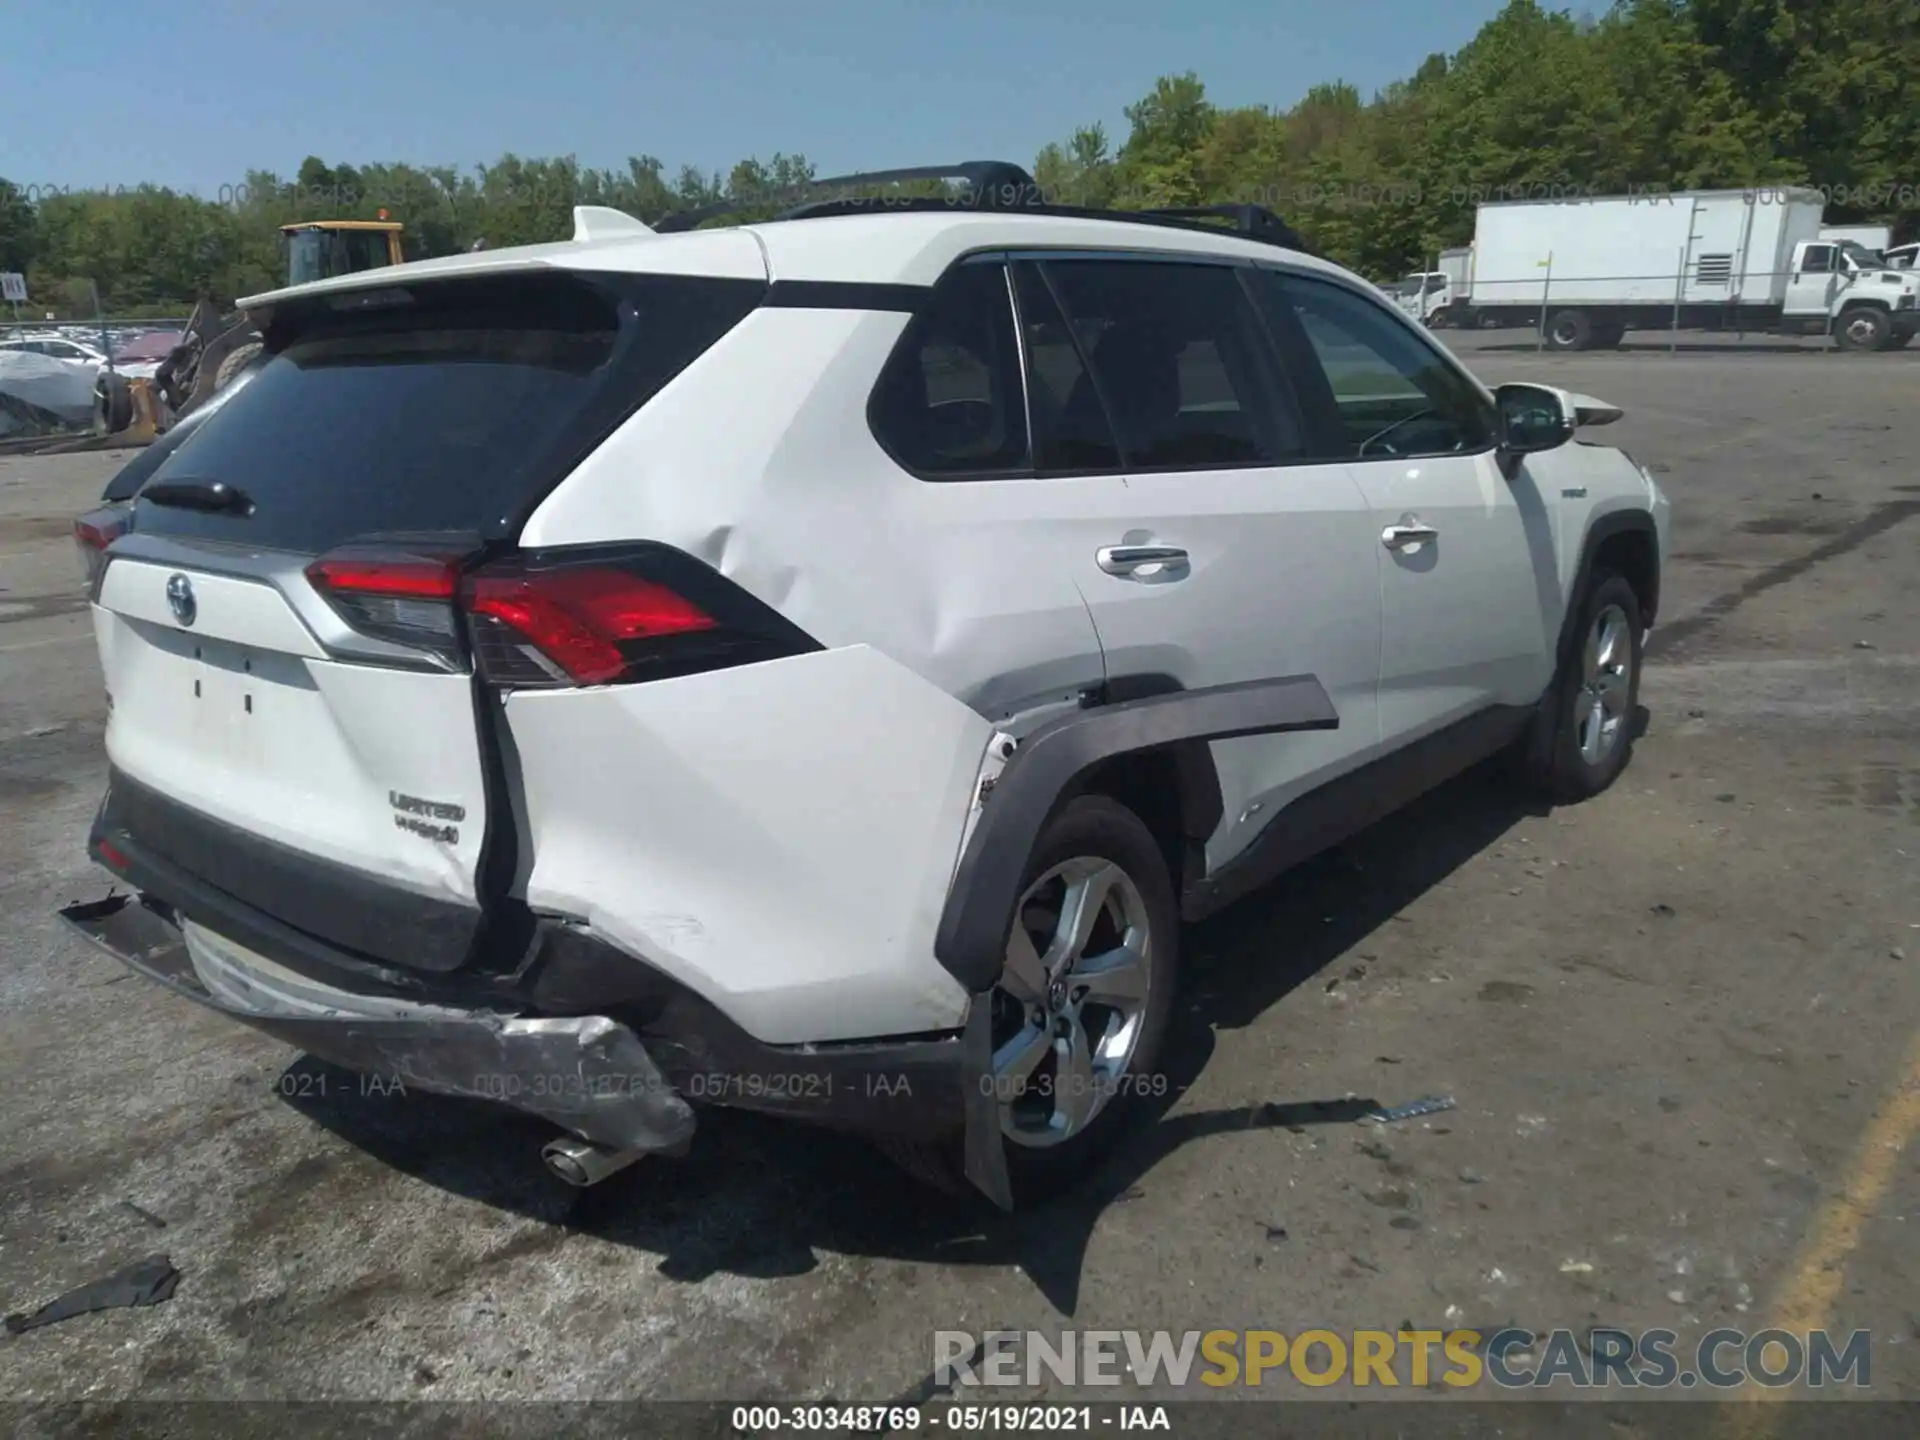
93,533
578,619
583,615
393,595
416,577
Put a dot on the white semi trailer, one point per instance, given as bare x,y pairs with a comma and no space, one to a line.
1590,270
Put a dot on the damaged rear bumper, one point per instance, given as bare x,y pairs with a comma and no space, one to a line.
587,1074
629,1080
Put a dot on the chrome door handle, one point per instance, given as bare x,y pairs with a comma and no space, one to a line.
1126,560
1400,537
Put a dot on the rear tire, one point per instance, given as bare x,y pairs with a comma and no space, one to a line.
1583,735
1075,1070
1569,330
234,364
112,404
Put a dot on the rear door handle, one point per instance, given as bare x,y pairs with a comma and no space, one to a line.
1128,560
1407,533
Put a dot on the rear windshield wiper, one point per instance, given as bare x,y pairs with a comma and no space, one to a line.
199,495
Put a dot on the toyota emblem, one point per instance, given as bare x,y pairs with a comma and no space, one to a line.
180,599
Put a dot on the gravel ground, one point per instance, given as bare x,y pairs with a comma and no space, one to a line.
1676,1020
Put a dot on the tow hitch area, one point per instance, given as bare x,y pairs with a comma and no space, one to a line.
589,1075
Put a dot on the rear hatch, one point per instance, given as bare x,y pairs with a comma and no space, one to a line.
287,628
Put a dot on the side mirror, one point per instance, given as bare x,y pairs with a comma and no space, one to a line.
1533,418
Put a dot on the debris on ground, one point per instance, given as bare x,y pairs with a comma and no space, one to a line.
145,1282
140,1212
1576,1267
1431,1105
1664,911
1470,1176
1275,1233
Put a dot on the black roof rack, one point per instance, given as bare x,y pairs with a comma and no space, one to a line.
989,185
986,185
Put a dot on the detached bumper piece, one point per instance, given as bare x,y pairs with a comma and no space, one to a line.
587,1074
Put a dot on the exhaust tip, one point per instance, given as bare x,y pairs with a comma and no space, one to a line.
581,1163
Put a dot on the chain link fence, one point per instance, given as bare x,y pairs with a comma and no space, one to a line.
51,369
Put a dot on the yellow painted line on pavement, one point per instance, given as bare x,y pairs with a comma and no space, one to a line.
1806,1301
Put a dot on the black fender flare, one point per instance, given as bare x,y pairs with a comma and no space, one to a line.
1539,734
1618,522
971,940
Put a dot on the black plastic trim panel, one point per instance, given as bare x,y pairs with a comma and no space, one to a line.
971,940
341,908
1325,816
844,295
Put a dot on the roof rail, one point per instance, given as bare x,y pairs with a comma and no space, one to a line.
1260,224
1256,222
989,185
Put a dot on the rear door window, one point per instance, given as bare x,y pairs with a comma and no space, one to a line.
1179,356
1072,432
452,407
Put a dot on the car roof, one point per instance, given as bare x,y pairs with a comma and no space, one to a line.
900,248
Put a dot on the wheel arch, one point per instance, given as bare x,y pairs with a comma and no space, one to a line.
1625,542
1151,746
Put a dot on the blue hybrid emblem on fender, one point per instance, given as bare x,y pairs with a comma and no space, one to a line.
180,599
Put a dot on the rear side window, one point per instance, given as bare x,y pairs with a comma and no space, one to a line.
455,408
1178,354
948,403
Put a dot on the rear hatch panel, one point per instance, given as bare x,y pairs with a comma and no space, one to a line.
310,787
266,737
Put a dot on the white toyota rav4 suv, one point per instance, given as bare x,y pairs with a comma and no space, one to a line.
817,666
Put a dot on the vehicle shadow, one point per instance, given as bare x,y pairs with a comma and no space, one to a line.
761,1198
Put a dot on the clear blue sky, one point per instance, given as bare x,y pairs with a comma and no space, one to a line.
194,95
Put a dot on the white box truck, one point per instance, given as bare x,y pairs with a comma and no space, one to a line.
1872,237
1590,270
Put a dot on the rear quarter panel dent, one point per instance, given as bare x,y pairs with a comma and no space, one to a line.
778,837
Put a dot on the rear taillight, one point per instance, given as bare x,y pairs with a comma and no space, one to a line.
393,595
93,533
609,615
599,615
582,625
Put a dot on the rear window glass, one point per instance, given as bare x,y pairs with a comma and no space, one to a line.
454,409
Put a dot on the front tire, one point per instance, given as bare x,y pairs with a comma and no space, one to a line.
1583,736
1865,327
1079,1016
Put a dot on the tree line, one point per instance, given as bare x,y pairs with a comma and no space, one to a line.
1653,95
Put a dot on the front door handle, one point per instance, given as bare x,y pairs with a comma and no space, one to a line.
1406,534
1129,560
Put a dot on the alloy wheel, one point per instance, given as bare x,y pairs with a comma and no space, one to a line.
1072,1001
1606,685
